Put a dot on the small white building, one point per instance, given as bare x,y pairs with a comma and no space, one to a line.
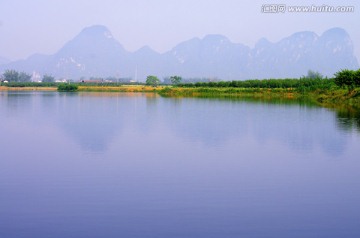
36,77
61,81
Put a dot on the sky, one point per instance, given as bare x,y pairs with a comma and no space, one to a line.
44,26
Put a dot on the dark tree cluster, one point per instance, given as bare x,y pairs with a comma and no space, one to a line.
14,76
64,87
348,78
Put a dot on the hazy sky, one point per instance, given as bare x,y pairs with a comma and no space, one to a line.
44,26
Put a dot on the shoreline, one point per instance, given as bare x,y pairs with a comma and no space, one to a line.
123,88
5,88
328,98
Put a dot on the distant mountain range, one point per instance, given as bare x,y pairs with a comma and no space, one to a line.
3,60
95,53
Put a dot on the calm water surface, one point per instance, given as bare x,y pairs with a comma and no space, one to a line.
133,165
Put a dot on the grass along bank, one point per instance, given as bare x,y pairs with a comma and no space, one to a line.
79,87
121,88
227,92
334,97
324,92
5,88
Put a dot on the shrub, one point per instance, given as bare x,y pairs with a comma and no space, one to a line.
357,77
345,77
67,87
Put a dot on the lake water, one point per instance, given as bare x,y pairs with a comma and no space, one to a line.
139,165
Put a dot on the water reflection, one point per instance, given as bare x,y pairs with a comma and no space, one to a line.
93,120
348,119
13,102
215,122
162,167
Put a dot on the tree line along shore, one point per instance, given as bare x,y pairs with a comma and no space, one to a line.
341,90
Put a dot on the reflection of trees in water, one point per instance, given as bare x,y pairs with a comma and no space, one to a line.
95,119
299,126
348,119
14,99
92,119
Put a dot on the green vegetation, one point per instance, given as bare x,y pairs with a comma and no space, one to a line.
313,75
348,78
120,88
331,98
175,79
332,93
29,84
152,81
48,79
14,76
302,84
342,90
227,92
67,87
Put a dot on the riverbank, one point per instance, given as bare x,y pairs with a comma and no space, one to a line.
4,88
228,92
92,88
122,88
330,98
338,98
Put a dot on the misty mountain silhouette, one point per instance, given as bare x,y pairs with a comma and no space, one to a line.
3,60
95,52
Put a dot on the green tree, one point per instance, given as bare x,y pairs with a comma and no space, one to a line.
24,77
357,77
345,77
313,75
175,79
11,76
48,79
152,80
